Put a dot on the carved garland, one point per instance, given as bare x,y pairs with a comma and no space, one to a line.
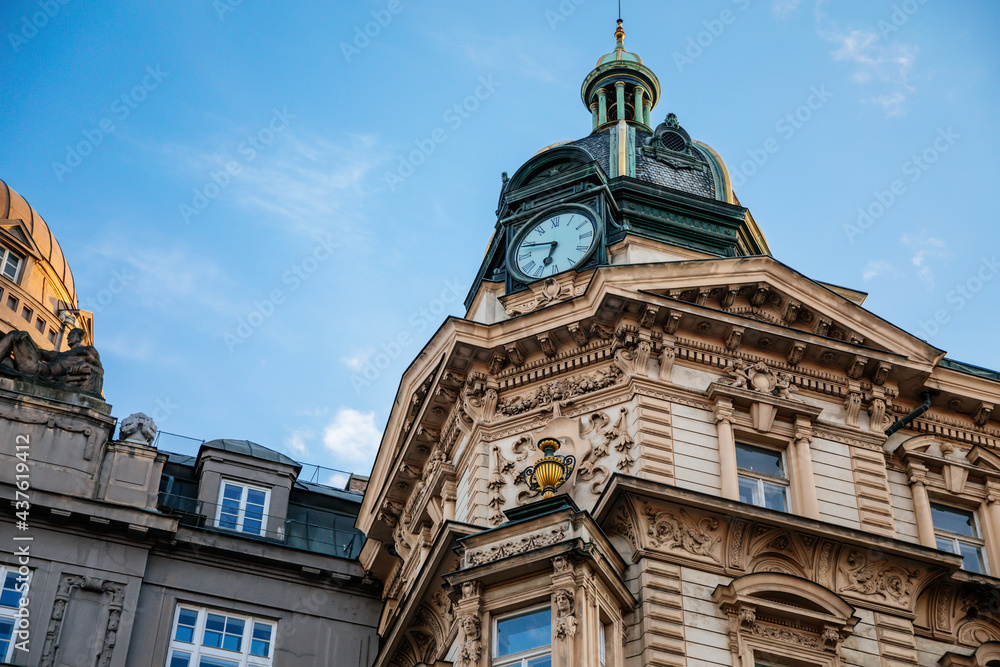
515,547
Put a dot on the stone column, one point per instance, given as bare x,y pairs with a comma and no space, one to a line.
806,482
992,525
647,107
595,113
448,498
468,614
639,90
567,603
728,482
917,473
620,99
602,106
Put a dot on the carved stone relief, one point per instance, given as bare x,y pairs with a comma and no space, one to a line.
695,535
111,595
565,626
878,579
559,393
514,547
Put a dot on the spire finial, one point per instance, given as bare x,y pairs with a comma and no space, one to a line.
620,36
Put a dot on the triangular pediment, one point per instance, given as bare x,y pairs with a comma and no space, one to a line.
16,231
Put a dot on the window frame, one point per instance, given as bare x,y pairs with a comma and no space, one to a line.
518,659
760,478
242,510
5,253
196,649
9,612
976,541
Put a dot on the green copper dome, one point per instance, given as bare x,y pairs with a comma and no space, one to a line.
620,87
619,54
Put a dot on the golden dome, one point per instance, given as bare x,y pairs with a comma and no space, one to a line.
14,207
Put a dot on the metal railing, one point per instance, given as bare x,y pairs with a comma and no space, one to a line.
324,538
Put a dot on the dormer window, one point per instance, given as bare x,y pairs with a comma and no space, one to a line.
10,264
242,508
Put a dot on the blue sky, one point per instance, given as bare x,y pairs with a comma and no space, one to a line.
261,201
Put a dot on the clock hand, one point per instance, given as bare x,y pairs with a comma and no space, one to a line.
548,260
526,245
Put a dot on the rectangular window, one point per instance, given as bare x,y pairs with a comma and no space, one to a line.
12,303
10,264
523,639
209,638
13,587
762,478
26,314
40,325
52,336
957,531
603,643
242,508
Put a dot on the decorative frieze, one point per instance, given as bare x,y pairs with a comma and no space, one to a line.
514,547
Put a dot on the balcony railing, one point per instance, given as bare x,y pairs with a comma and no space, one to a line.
316,536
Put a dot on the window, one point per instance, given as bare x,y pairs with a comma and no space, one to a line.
12,303
40,325
762,477
242,508
26,314
13,587
524,639
10,263
52,336
956,531
603,642
207,638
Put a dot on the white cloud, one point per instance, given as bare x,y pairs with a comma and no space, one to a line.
875,268
924,248
296,442
784,8
877,62
352,438
356,362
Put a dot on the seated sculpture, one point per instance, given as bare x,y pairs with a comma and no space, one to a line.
78,368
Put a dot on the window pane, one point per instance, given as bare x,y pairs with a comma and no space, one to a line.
953,520
774,497
6,635
252,526
214,627
10,266
10,597
187,619
520,633
233,492
541,661
227,520
255,497
946,545
261,644
749,491
178,659
233,640
972,558
758,459
216,662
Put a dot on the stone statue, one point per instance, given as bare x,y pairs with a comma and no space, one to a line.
138,428
77,368
565,618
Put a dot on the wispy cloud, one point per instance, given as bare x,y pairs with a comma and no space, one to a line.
295,443
877,61
782,9
924,249
356,362
876,268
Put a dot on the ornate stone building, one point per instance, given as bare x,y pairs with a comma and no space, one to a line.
651,443
115,553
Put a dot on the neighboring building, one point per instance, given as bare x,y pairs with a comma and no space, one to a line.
116,554
727,492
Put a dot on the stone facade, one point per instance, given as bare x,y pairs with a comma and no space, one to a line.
733,491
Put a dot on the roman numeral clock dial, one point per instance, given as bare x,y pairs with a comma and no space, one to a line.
558,243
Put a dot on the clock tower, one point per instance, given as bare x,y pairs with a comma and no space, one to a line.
627,193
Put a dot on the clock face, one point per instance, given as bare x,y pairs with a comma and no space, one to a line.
554,245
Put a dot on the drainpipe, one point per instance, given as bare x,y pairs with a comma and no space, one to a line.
926,395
